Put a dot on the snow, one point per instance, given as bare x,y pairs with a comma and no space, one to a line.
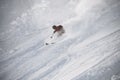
89,49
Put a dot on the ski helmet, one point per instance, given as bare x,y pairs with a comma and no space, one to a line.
54,26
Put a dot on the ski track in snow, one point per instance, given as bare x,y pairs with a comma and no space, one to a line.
90,44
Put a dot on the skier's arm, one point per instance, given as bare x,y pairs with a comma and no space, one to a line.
54,32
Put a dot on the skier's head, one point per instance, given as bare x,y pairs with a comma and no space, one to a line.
54,26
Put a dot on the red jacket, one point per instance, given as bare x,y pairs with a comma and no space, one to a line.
58,28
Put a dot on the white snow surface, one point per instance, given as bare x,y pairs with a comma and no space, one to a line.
89,49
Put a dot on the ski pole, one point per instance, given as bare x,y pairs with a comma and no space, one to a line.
52,35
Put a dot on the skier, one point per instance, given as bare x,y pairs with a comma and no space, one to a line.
58,29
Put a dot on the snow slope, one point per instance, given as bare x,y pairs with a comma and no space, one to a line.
89,50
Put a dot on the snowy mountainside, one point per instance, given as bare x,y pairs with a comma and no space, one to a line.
89,49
